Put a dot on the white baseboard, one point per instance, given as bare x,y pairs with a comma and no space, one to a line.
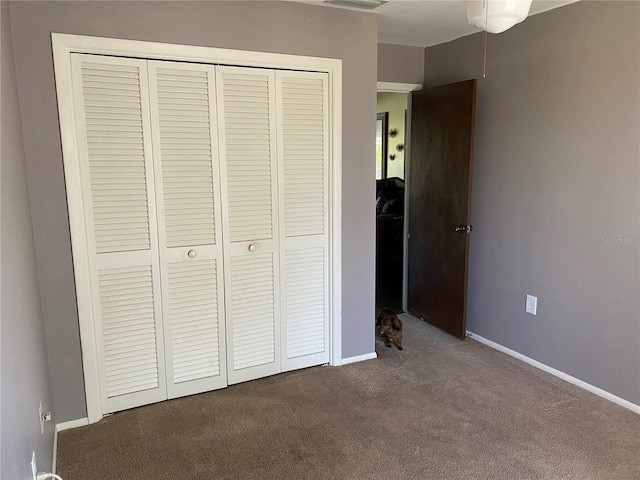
54,460
80,422
567,378
359,358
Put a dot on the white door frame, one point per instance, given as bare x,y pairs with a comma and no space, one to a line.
63,46
394,87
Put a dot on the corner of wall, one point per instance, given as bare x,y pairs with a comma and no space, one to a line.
23,347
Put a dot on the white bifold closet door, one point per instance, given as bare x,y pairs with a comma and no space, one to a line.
148,155
273,130
303,149
189,225
246,116
111,105
205,198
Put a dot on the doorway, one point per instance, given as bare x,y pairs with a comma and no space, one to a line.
437,184
392,136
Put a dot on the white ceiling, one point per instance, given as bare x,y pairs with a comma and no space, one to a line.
423,23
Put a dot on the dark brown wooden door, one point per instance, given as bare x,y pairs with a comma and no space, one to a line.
440,170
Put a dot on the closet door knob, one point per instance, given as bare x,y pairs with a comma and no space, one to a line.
252,247
192,254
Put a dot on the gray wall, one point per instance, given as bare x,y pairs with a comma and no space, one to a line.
400,63
262,26
25,379
556,186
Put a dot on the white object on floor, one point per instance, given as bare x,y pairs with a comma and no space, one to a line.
44,476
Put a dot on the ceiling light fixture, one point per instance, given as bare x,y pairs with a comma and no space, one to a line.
363,4
496,16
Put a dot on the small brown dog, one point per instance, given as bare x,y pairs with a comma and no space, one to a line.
390,327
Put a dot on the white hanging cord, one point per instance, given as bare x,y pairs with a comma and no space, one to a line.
44,476
486,34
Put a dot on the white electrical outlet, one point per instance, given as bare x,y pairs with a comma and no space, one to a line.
34,468
531,305
44,417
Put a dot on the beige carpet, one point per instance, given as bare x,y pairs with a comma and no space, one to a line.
440,409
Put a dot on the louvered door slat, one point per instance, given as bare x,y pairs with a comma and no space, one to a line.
122,337
179,137
253,312
305,301
303,101
120,94
248,156
246,119
303,150
194,325
188,186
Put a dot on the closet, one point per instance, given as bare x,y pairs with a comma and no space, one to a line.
204,204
